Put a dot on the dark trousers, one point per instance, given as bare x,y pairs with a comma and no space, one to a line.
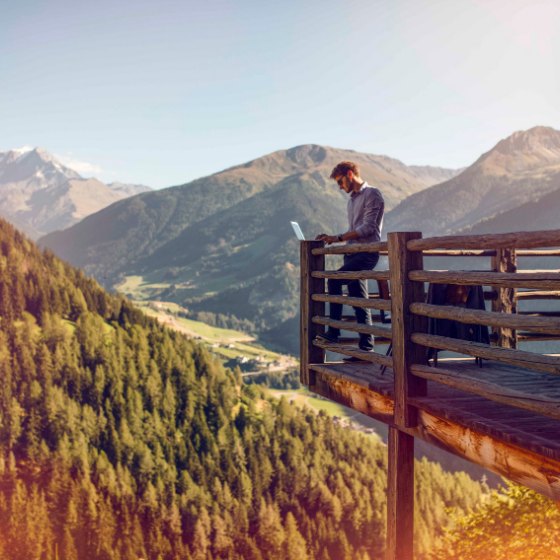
356,288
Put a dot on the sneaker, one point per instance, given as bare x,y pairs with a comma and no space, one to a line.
328,337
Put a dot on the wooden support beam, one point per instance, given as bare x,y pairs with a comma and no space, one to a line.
356,275
505,261
478,382
542,280
505,321
533,469
385,332
352,248
309,353
400,496
519,240
382,304
373,357
539,362
404,323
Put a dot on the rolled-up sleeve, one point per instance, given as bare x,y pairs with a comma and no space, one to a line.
373,207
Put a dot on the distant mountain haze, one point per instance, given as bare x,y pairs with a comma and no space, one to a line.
224,241
540,214
519,170
38,194
128,189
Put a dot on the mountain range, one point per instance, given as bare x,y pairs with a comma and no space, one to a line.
224,242
38,194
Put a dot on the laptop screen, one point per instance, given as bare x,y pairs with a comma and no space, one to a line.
297,231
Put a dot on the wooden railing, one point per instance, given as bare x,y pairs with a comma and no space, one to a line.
410,340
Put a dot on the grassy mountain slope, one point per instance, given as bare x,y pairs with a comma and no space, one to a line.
121,439
248,255
519,169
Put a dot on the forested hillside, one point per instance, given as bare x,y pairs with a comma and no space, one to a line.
121,439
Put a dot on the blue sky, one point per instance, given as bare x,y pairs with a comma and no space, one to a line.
164,92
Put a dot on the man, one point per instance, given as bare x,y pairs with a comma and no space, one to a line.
365,218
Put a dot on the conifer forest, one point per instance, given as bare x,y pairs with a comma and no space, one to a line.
122,439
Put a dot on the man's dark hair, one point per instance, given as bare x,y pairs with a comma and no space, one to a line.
342,169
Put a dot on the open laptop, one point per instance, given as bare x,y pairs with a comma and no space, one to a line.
298,231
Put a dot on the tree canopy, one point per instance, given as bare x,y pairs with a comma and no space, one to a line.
121,439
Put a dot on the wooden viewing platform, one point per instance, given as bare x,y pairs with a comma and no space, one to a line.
504,416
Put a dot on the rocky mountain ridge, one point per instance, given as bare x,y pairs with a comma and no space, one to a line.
39,194
521,168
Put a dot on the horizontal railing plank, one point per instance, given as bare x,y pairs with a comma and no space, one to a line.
469,379
354,275
536,337
373,357
381,304
379,341
459,253
522,253
540,313
518,240
530,360
542,280
488,318
537,295
385,332
352,248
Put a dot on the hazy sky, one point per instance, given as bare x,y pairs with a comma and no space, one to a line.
163,92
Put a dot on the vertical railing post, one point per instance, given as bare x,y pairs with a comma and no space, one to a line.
309,353
400,477
505,302
400,496
404,323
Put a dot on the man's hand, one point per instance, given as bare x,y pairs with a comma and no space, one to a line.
327,239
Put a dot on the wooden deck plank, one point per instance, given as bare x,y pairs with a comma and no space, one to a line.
523,428
518,452
495,386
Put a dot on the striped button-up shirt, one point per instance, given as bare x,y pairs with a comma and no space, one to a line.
365,214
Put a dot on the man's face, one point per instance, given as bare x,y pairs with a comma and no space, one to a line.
344,182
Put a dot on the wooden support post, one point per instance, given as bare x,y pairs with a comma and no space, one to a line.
404,323
400,496
505,261
309,353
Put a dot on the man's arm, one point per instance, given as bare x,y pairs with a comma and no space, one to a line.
328,239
